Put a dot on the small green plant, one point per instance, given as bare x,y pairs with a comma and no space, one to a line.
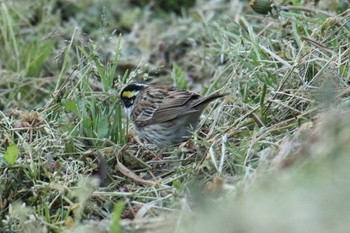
116,215
11,154
178,75
98,115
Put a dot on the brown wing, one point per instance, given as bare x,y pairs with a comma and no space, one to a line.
177,103
162,103
180,103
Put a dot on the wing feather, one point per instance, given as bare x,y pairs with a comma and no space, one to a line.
157,105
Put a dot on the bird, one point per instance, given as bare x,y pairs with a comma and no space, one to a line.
161,114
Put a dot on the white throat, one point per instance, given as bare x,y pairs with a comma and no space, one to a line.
128,111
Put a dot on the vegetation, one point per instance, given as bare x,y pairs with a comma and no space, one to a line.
270,157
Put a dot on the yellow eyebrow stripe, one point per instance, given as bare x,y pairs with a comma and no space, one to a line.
128,94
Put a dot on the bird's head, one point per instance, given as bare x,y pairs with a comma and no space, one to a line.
128,95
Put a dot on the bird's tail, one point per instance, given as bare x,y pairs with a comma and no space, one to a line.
202,102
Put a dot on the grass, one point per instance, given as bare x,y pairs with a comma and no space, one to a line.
272,156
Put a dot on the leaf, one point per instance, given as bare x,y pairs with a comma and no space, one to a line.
125,171
102,126
11,154
118,209
70,105
179,77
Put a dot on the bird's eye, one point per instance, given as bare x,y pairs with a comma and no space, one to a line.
128,101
